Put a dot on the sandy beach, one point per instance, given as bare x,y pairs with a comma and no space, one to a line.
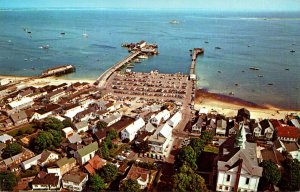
40,82
228,106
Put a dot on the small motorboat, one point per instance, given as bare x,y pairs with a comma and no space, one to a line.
218,48
270,84
231,93
260,76
62,33
254,68
287,69
292,51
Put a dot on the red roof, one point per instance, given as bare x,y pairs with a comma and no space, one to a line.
288,131
276,123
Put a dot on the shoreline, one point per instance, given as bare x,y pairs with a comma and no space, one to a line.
229,105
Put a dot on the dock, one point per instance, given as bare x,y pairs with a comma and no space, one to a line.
135,49
59,70
195,53
101,80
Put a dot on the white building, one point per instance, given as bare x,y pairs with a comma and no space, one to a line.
22,103
221,127
74,181
112,119
6,138
68,131
82,126
175,119
238,168
86,153
264,129
160,117
41,159
130,131
161,138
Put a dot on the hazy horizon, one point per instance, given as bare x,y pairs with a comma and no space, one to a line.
202,5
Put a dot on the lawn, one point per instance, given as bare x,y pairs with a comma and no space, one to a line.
116,151
26,129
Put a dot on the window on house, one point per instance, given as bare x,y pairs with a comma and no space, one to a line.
226,188
247,181
228,178
220,187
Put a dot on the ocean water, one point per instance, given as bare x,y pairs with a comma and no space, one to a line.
262,40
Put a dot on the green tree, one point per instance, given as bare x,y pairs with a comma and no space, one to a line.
198,145
142,147
188,180
270,176
104,151
67,123
108,172
101,125
206,136
97,183
112,134
290,180
53,123
43,141
57,137
11,150
7,181
130,185
187,156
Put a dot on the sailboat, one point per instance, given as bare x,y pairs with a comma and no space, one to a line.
84,34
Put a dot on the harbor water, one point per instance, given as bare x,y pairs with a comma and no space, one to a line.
34,40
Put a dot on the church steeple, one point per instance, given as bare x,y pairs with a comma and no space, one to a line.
240,137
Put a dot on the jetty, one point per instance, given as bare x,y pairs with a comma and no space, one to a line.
101,80
136,50
195,53
59,70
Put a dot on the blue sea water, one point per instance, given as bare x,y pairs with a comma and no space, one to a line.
262,40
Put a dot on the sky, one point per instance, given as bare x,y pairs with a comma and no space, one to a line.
235,5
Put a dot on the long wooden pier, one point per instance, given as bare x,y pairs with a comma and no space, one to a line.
195,54
101,80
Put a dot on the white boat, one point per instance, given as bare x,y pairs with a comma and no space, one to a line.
84,34
44,47
174,22
143,57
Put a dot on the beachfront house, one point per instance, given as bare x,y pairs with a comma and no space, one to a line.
263,129
238,168
74,181
86,153
131,130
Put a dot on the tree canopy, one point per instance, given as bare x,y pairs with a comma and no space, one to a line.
206,136
67,123
187,156
198,145
112,134
129,185
104,151
108,172
290,180
53,123
101,125
8,181
188,180
11,150
46,139
270,176
97,183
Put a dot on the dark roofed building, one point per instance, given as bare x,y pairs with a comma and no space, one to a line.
19,118
46,182
243,115
74,181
